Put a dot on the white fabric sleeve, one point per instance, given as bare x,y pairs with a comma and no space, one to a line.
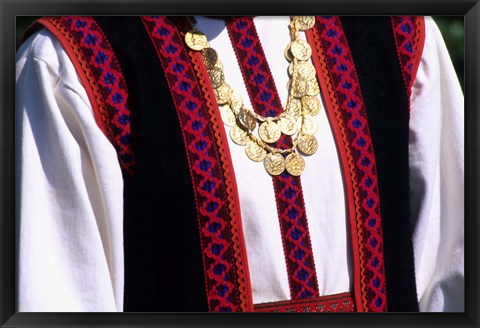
437,178
69,190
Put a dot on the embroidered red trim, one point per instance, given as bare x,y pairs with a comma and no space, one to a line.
219,223
346,112
288,189
409,35
102,78
333,303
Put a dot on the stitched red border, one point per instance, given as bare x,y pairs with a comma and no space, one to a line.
227,290
346,106
288,189
409,35
102,78
332,303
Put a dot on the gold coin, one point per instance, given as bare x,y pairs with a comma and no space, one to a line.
310,125
222,93
196,40
216,76
294,107
228,117
255,152
210,57
236,101
313,88
288,124
299,88
304,23
301,50
311,105
246,120
219,64
287,53
239,136
307,144
274,164
269,132
305,69
291,68
295,164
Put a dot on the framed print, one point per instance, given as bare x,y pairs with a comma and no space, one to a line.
216,253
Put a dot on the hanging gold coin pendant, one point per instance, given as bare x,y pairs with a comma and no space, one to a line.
289,125
301,50
295,164
236,101
274,164
239,136
307,144
246,120
210,57
228,117
269,132
311,105
222,93
255,152
304,23
196,40
216,76
310,125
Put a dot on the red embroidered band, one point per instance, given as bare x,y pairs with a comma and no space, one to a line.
332,303
409,34
288,189
223,251
346,112
98,69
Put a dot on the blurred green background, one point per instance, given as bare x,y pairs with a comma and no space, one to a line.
450,26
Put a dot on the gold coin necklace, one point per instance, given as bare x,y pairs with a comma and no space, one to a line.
297,119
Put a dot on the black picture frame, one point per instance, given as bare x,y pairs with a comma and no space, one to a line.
9,9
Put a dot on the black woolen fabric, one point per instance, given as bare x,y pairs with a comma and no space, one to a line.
373,48
163,264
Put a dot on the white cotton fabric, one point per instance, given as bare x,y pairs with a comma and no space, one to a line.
70,252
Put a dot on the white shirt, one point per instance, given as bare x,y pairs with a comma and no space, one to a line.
70,209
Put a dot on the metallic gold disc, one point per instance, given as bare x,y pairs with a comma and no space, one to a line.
299,88
288,124
287,53
295,164
313,88
196,40
222,93
307,144
305,69
294,107
239,136
236,101
255,152
311,105
210,57
246,120
219,64
216,76
304,23
228,117
310,125
274,164
269,131
301,50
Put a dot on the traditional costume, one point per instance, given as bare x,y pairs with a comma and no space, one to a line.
172,165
